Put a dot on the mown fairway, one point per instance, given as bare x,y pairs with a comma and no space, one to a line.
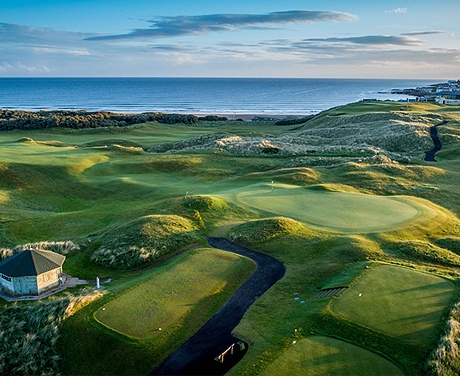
167,296
336,211
329,356
399,302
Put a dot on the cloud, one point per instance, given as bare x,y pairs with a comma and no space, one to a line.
397,10
371,40
13,33
167,27
22,68
430,32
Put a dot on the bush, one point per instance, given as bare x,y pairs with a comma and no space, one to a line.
295,121
213,118
27,120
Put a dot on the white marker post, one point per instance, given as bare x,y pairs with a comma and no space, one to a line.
98,286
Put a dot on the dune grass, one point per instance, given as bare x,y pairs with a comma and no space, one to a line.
329,356
399,302
154,307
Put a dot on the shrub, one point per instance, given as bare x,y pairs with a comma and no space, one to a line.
295,121
213,118
144,240
27,120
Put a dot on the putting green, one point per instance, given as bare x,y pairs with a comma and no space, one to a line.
167,297
337,211
399,302
329,356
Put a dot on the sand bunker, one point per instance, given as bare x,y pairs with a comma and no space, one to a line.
337,211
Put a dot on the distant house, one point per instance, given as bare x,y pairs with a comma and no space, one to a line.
31,272
451,98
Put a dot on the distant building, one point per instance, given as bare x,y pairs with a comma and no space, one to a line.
451,98
31,272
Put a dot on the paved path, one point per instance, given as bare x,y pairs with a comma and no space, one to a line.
196,355
429,155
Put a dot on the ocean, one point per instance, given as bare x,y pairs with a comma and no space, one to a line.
194,95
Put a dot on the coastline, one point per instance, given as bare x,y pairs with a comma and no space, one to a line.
238,98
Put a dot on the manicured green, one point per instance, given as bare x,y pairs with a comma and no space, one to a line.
155,305
402,303
334,211
329,356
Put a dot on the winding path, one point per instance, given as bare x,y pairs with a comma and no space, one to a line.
429,155
196,355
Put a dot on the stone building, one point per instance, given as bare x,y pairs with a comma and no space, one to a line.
31,272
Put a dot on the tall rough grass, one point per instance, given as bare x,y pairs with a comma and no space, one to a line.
445,359
62,247
5,252
29,333
419,250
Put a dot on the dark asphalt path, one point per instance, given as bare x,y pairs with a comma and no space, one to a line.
196,355
429,155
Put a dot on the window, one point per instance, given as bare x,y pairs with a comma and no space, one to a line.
6,277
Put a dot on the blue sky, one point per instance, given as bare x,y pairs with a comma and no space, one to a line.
270,38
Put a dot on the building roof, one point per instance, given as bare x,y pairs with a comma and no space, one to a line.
31,262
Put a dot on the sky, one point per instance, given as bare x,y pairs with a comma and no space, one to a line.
413,39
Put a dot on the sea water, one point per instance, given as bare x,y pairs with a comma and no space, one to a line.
194,95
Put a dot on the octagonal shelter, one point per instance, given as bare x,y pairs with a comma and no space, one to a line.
31,272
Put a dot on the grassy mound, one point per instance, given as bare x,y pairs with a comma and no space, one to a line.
332,188
144,240
451,243
329,356
424,251
289,175
398,302
203,203
264,229
175,163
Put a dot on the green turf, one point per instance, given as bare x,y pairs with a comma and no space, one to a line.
318,356
335,211
62,184
166,297
399,302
